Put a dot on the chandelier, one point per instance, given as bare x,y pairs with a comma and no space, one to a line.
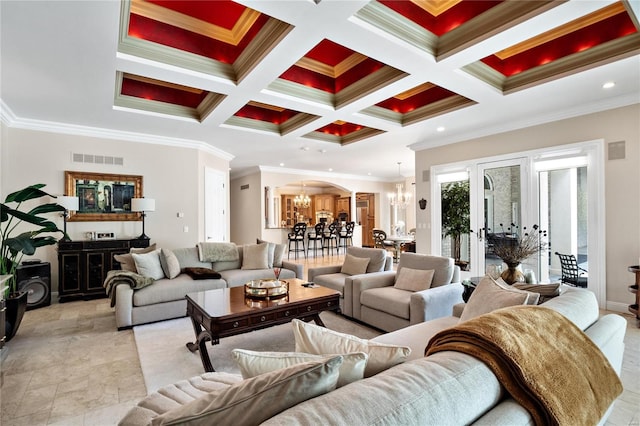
400,198
302,200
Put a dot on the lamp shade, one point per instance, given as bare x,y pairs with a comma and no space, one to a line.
143,205
68,202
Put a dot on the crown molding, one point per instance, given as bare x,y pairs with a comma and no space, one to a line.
10,119
317,174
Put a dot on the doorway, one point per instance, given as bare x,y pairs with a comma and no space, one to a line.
366,216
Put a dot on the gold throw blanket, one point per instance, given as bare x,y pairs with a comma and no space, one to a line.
547,364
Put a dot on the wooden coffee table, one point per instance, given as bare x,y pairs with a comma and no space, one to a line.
226,312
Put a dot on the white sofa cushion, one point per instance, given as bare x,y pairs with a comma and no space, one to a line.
148,264
255,400
256,256
313,339
170,263
414,279
388,299
252,363
166,290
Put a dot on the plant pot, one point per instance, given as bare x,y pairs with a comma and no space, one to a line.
512,274
16,306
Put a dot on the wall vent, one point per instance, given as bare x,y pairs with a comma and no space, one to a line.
77,157
616,150
426,175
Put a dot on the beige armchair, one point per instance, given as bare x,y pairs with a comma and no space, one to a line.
383,301
333,277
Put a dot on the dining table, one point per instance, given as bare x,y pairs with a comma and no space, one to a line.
397,241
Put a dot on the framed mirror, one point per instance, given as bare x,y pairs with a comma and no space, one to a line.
102,196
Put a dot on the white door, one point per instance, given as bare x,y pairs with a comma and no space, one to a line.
215,205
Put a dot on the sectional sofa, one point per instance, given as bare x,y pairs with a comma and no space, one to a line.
448,387
164,298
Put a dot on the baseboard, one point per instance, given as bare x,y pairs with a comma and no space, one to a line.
623,308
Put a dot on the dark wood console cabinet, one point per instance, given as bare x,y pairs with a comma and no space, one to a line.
633,308
83,265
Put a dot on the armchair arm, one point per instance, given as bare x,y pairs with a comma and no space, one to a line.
434,302
360,283
322,270
295,267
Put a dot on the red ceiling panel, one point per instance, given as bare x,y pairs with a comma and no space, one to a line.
329,53
416,101
580,40
269,115
224,13
444,22
172,36
174,95
340,129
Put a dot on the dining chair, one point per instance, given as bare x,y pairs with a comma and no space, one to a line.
316,237
571,272
296,237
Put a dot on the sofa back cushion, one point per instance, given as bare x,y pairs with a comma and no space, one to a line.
354,265
255,400
377,257
579,305
188,257
225,265
442,266
414,279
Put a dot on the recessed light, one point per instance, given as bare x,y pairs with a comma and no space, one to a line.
369,174
608,85
281,164
330,170
440,129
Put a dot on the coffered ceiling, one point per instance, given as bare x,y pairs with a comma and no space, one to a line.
346,86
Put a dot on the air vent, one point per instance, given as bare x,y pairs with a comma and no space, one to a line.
616,150
97,159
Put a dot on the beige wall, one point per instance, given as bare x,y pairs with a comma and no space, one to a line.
173,176
622,181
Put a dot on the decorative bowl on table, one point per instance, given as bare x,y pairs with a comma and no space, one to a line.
266,289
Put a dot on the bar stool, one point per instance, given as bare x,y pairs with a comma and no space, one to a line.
297,237
346,239
330,238
316,238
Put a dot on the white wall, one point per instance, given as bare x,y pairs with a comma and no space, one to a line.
622,181
173,176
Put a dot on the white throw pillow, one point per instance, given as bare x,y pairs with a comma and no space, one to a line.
255,256
148,264
313,339
252,363
276,253
170,264
354,265
414,279
255,400
490,295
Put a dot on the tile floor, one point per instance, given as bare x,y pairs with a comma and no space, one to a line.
69,366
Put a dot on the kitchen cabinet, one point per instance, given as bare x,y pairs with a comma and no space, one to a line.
325,202
343,207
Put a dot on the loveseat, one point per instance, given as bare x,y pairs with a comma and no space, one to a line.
446,387
358,261
164,298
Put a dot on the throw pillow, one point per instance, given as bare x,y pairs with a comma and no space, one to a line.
148,264
255,400
253,363
126,262
414,279
169,263
313,339
490,295
255,256
197,273
354,265
276,253
546,291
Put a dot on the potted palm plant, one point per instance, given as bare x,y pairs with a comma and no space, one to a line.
456,216
18,240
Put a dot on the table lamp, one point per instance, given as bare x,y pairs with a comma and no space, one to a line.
69,203
143,205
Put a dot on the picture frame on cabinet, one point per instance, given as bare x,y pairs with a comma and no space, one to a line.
103,196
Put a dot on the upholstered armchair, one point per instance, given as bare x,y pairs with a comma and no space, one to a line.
428,288
358,261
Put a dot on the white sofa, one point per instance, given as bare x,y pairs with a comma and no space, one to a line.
443,388
164,299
